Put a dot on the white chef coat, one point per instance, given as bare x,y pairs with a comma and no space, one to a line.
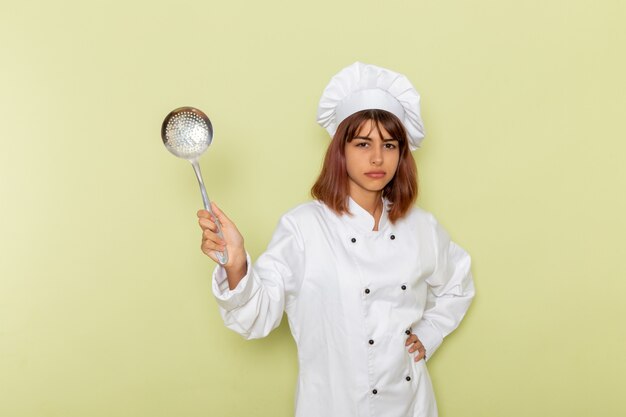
351,296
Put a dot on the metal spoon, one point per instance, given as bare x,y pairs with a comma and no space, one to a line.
187,133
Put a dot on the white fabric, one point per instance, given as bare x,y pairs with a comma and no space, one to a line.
364,86
368,99
314,272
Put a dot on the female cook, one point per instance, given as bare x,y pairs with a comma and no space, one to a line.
371,284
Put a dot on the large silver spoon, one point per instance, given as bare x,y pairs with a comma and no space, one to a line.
187,133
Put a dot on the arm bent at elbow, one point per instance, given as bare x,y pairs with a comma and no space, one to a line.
450,293
255,305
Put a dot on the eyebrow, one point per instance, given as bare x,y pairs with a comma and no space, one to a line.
367,138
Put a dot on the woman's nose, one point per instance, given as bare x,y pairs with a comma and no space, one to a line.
377,156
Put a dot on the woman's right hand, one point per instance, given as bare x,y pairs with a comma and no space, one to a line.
232,242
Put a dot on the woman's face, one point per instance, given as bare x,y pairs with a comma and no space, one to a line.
371,160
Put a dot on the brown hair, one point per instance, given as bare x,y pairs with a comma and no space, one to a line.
332,187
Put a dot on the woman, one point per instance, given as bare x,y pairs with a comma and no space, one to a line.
371,285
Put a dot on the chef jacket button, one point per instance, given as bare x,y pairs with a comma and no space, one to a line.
392,237
407,332
408,378
403,287
367,291
371,342
353,240
375,391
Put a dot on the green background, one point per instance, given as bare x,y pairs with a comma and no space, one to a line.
105,304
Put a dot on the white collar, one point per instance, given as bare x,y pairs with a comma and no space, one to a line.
362,220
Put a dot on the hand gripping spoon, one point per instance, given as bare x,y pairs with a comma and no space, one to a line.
187,133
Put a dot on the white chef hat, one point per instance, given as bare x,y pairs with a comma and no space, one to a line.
363,86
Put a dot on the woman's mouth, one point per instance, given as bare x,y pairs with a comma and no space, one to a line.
375,174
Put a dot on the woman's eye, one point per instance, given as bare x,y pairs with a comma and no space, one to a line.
390,146
362,144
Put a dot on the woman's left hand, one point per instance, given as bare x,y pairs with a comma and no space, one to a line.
416,345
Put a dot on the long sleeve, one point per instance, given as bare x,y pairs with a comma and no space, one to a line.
255,307
450,292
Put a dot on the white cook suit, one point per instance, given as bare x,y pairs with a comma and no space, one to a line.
352,295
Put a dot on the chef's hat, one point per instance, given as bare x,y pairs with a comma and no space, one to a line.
364,86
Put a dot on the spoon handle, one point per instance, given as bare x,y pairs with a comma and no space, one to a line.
222,257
